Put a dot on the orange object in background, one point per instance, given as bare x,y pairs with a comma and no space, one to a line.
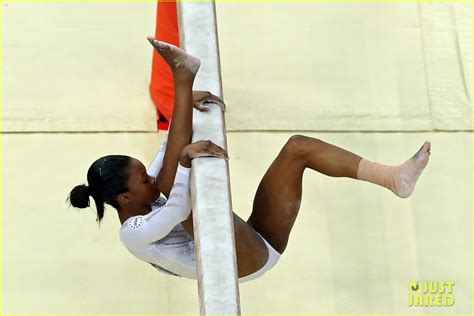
161,85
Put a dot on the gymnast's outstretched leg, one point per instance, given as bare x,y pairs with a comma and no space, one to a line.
278,196
184,68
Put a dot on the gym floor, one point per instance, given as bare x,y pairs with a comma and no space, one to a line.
377,79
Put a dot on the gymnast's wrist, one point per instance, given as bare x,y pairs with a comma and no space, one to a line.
184,160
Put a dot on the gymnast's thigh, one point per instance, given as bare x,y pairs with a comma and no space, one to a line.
250,249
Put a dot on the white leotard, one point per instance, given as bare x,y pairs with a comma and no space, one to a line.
158,237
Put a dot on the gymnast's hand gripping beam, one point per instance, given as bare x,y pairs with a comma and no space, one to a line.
210,186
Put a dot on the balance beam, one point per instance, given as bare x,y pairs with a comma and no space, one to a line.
210,186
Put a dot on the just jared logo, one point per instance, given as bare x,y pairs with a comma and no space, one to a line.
431,293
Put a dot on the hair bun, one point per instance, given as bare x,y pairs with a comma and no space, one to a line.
79,196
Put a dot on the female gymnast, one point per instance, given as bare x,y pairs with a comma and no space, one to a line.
159,230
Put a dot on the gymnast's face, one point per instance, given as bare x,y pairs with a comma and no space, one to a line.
141,187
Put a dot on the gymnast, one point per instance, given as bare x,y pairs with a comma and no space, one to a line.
154,205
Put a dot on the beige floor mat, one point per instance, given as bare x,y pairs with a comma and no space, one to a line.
85,67
378,66
77,66
354,247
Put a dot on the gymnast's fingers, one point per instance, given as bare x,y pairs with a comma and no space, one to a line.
222,106
216,99
219,103
220,151
199,106
213,149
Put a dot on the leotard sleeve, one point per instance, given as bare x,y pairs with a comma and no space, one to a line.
157,163
140,231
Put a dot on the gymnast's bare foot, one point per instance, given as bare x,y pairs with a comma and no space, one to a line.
182,64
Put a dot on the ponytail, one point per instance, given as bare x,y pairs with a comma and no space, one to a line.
107,178
79,196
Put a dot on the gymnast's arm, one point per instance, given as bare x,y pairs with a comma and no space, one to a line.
142,230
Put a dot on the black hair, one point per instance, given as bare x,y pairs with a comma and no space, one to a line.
107,178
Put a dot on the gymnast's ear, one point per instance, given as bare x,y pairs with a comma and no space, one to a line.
124,199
